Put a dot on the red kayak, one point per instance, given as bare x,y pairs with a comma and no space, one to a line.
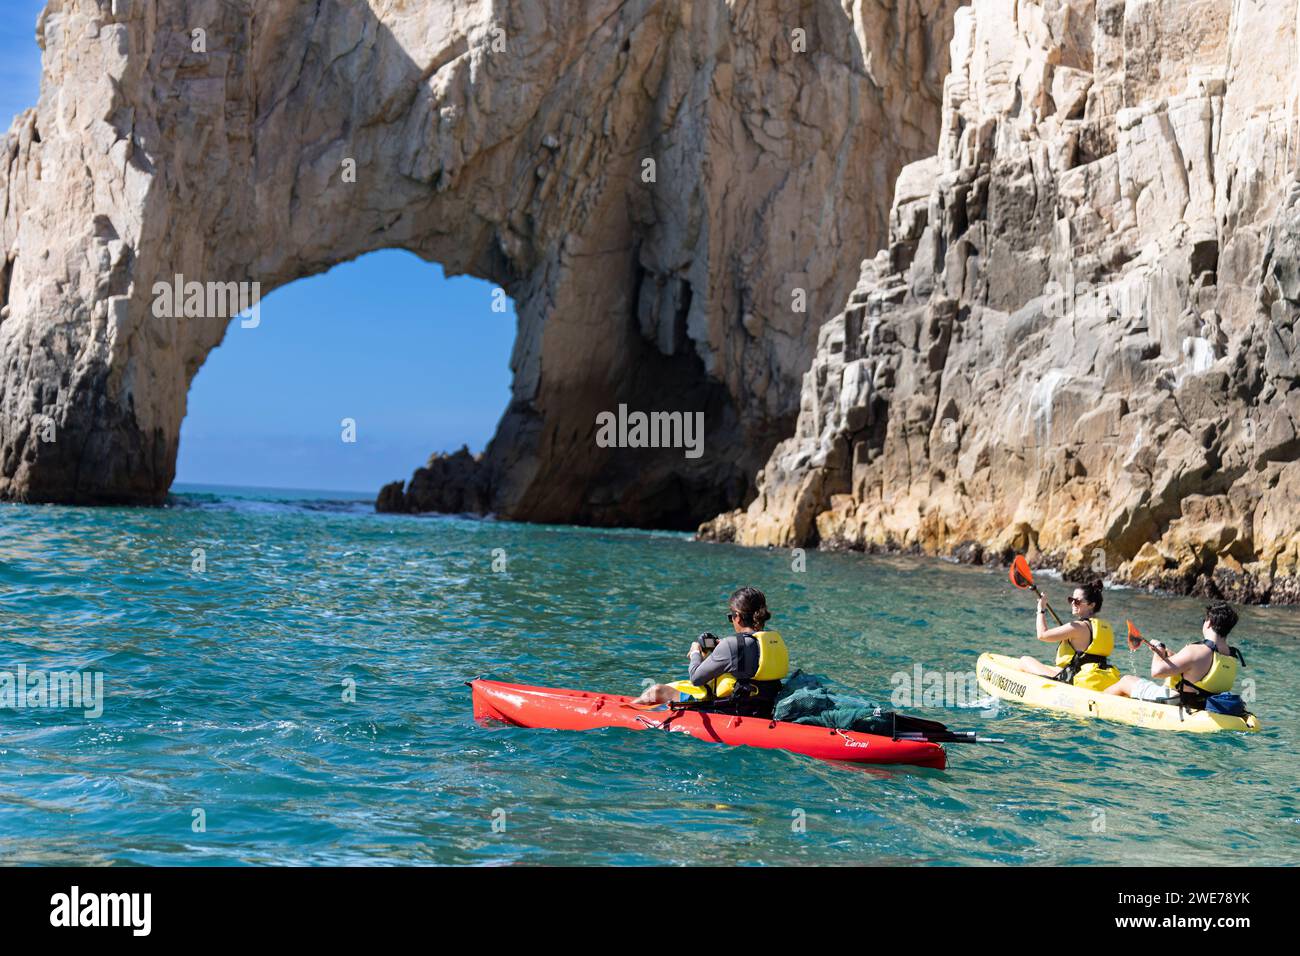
522,706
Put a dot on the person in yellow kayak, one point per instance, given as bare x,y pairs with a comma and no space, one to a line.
1197,672
737,674
1083,646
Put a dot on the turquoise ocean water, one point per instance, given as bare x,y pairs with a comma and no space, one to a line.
224,702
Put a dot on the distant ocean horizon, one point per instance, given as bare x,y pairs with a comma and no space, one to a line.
199,487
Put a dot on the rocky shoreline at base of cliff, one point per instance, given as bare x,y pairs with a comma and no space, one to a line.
1220,584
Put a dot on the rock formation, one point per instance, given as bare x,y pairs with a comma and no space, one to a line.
1080,339
260,142
449,484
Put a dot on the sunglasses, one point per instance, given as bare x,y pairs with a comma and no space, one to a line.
1075,600
731,616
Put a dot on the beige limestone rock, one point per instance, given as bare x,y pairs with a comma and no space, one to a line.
503,140
1082,342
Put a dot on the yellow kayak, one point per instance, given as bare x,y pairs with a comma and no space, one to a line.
1000,676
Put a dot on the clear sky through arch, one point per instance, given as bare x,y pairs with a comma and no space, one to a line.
419,362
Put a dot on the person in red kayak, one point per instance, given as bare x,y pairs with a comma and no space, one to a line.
738,674
1083,646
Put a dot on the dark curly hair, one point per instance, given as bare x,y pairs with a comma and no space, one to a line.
750,607
1221,617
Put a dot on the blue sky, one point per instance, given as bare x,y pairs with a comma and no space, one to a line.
20,57
420,362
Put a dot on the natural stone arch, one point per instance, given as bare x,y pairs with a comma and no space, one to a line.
519,164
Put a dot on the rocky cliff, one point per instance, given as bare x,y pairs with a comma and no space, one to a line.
1080,337
663,188
1077,338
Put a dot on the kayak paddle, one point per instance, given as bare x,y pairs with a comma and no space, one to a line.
1023,578
1136,640
906,727
952,737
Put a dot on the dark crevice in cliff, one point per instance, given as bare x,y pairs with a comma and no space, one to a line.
6,277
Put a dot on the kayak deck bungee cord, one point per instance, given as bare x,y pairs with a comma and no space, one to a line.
999,676
521,705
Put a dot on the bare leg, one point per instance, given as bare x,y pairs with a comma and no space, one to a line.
1124,687
1033,666
657,694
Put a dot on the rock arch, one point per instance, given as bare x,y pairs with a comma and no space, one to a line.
501,140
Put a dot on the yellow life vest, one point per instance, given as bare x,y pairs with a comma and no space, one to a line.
773,664
1092,669
1218,680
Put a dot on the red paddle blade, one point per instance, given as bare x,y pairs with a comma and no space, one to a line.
1021,576
1134,636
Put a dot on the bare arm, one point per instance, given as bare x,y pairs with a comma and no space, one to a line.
1177,664
1071,631
1066,632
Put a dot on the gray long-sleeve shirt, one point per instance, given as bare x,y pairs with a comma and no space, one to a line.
736,655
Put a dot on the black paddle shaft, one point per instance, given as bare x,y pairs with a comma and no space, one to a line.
1029,582
1056,616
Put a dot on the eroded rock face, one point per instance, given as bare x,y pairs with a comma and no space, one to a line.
1080,340
449,484
507,141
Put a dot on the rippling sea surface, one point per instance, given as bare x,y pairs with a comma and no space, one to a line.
226,738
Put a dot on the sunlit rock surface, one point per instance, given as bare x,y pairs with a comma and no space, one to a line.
1079,340
504,140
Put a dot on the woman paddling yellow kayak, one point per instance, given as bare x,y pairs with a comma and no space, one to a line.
1083,646
1195,674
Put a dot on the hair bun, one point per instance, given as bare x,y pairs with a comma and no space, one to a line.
750,606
